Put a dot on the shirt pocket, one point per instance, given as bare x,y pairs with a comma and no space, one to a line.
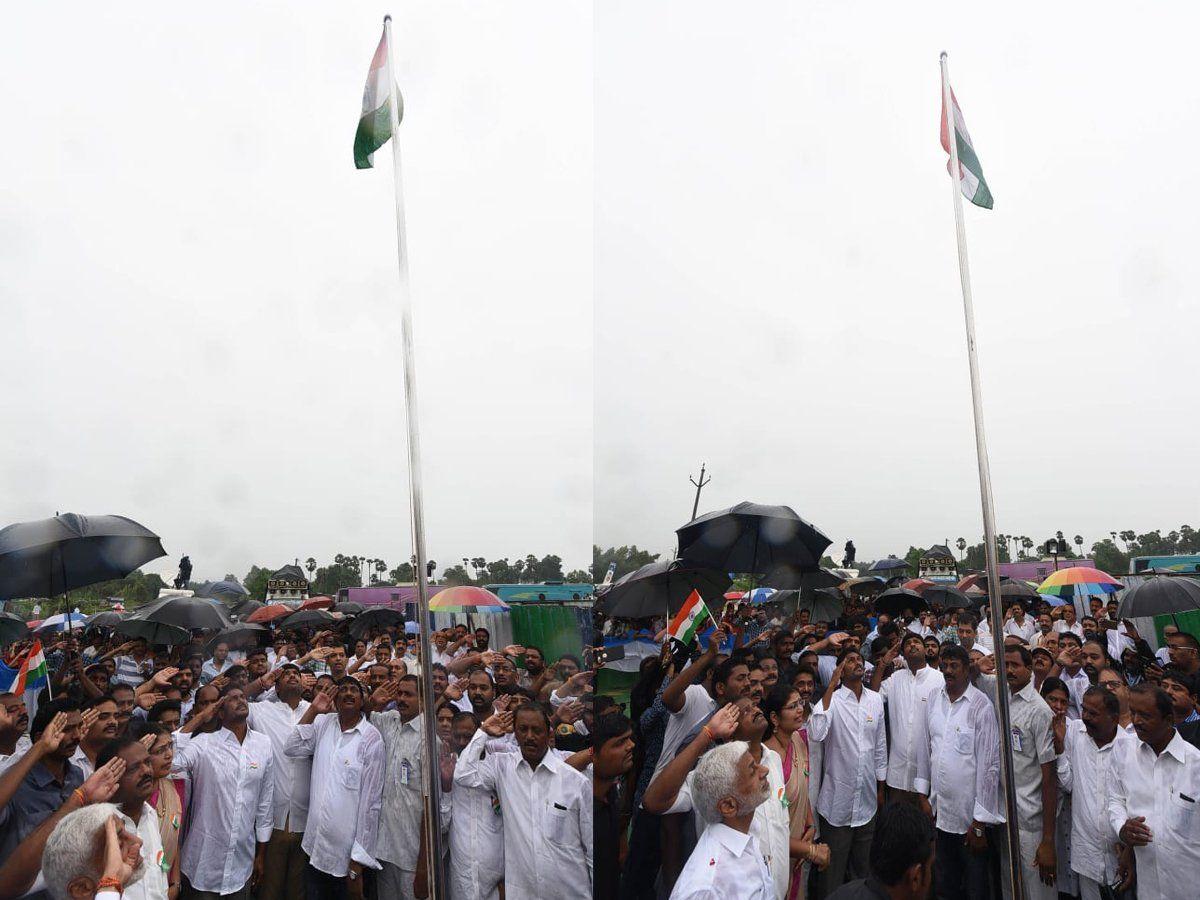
964,742
351,777
561,827
1181,815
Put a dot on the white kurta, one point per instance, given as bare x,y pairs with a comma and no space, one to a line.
153,883
1087,774
906,695
855,756
292,777
726,865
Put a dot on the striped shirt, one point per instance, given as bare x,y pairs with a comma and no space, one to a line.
131,672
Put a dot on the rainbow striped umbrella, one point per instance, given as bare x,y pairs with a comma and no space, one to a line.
466,599
1079,581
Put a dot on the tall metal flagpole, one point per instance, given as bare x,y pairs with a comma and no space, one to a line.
989,523
431,768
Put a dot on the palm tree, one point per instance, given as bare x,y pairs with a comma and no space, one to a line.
380,570
1026,545
1079,543
961,544
311,565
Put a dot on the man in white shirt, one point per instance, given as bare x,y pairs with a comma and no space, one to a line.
1154,794
286,860
14,725
673,791
1089,748
849,724
905,694
959,772
231,813
1073,674
398,844
728,862
133,791
1019,624
546,804
99,727
1069,623
219,663
347,769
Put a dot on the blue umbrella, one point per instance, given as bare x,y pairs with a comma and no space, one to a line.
1052,600
891,564
63,622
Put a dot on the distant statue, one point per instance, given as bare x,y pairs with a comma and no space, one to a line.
848,559
185,573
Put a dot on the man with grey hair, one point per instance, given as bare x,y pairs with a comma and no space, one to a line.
728,785
91,853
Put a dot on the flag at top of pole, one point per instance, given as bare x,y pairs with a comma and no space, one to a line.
970,172
375,123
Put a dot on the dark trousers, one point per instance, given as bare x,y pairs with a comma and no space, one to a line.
283,872
958,873
849,855
319,886
643,859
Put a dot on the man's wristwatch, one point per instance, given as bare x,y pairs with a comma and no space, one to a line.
978,831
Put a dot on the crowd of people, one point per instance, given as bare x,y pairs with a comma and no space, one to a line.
297,769
782,758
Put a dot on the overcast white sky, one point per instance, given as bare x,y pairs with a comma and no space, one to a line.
777,287
198,288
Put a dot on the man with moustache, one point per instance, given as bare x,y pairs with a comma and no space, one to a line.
224,850
1152,801
849,724
672,791
14,725
286,860
347,768
476,827
905,695
728,862
133,792
99,726
546,805
612,758
1089,748
38,782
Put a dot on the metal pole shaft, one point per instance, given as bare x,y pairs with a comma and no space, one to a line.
989,525
432,786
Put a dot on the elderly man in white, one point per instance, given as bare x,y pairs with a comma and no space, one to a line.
92,853
728,862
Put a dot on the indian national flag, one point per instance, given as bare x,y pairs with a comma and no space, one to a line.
30,674
375,124
692,617
970,177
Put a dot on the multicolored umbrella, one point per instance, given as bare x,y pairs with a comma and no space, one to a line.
466,599
60,622
1079,581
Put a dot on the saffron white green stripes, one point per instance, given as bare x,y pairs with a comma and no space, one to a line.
375,124
970,177
692,617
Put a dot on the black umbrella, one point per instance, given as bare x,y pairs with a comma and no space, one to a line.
1015,588
375,617
348,608
155,633
229,591
894,601
53,556
12,628
751,538
1160,595
241,634
107,619
946,596
660,588
243,607
184,612
799,578
823,604
891,564
307,617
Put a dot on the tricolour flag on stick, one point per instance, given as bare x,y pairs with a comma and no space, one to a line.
30,674
692,617
375,124
970,177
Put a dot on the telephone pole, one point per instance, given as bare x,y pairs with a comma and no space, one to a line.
699,487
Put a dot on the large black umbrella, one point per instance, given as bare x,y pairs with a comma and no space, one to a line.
660,588
1013,589
376,617
12,628
229,591
823,604
154,633
947,596
183,612
890,565
52,556
348,608
752,538
107,619
242,608
894,601
307,617
799,578
1160,595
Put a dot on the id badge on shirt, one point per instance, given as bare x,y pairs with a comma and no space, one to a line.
1016,740
405,772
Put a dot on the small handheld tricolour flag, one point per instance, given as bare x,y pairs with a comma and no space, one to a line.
375,123
692,617
30,673
970,172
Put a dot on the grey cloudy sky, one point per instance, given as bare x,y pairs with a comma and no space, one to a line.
777,287
198,287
